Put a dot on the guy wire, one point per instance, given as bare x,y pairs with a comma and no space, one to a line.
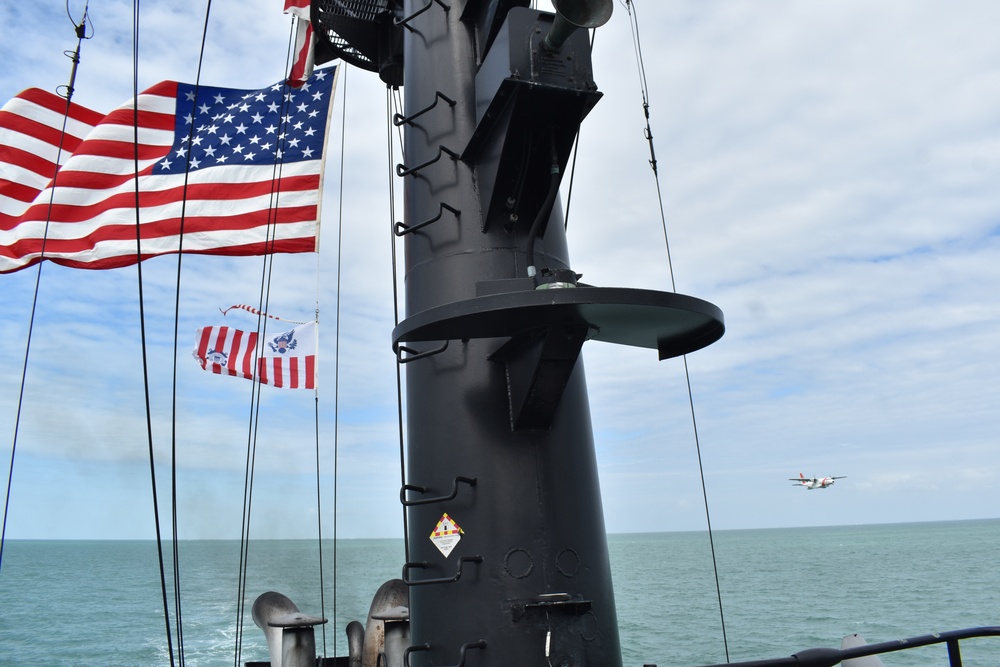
633,21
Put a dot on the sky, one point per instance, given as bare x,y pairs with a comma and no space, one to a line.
828,172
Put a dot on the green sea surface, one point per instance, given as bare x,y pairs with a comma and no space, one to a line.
782,590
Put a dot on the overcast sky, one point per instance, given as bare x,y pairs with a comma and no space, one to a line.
829,172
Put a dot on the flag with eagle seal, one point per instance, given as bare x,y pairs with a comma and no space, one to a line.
287,359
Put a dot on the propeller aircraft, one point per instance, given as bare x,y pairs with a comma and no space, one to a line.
814,482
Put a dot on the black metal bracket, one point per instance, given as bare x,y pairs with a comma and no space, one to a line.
443,580
464,649
539,365
416,354
413,649
561,602
471,481
405,21
398,119
426,647
402,170
402,228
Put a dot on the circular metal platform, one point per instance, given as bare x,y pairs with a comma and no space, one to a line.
673,324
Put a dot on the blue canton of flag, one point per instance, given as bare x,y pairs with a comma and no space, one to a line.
251,127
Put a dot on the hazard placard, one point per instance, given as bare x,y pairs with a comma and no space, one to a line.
446,534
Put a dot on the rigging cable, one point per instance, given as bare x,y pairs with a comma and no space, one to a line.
178,616
545,210
392,101
142,328
633,22
336,365
254,420
576,146
572,173
80,30
256,388
255,397
248,478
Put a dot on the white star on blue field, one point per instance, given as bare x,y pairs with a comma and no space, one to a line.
248,127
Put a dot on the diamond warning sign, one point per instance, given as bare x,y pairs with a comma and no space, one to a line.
446,534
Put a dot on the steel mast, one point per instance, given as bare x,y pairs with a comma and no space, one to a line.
507,545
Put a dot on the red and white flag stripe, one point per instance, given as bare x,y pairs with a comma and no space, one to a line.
304,51
255,311
285,360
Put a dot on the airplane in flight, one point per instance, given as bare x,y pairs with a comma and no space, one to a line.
814,482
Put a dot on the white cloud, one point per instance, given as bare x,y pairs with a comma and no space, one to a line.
828,172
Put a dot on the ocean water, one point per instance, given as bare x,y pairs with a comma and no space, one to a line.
782,590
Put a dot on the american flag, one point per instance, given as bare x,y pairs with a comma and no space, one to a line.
285,360
240,168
